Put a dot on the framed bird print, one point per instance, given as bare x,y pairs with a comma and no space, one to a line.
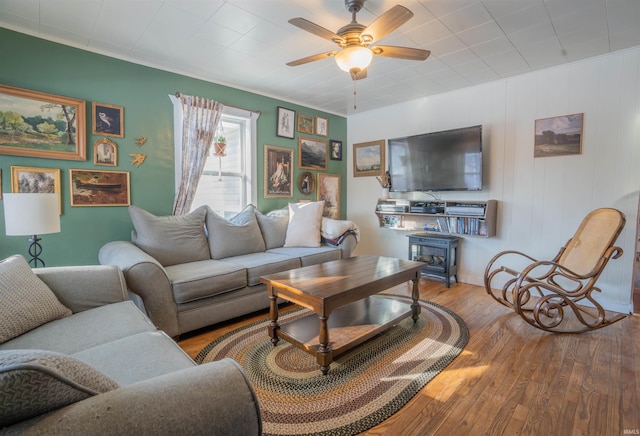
107,119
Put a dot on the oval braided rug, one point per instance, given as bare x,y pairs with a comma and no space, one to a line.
364,386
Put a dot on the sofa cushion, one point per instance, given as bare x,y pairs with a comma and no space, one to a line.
26,302
309,255
305,221
195,280
273,226
171,239
260,264
33,382
236,236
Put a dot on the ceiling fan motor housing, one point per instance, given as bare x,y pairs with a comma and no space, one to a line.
354,5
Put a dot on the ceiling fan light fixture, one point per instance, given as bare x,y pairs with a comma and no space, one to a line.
354,57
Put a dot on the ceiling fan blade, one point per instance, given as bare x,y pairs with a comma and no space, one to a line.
385,24
312,58
316,30
391,51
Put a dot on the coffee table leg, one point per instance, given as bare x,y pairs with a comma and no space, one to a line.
273,325
415,295
325,354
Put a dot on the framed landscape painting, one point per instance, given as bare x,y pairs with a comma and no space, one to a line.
558,136
305,124
368,159
99,188
35,124
278,172
312,154
36,181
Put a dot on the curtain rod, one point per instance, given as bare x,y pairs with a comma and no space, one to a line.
178,95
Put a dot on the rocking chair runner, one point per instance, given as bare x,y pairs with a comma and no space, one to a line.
542,291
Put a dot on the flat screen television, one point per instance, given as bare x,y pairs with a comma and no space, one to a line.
450,160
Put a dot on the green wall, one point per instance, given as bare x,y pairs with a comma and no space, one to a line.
39,65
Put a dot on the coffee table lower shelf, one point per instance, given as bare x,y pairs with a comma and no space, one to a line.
349,326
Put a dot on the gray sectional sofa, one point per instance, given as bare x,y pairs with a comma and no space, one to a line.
200,269
77,357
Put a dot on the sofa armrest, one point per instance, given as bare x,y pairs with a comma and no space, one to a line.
85,287
148,279
348,244
214,398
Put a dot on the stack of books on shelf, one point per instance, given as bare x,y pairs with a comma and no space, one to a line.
462,226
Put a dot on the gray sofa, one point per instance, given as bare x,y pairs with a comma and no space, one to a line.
200,269
153,387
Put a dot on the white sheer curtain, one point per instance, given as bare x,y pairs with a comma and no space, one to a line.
199,123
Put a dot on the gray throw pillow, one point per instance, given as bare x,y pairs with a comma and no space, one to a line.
273,226
26,302
172,239
236,236
33,382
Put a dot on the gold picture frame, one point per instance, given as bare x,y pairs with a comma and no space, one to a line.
99,187
305,124
278,172
46,125
306,183
322,126
312,154
36,180
368,158
329,191
107,119
105,153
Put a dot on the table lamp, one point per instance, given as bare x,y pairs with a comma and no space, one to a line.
31,214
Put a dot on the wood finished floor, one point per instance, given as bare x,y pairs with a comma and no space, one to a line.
513,379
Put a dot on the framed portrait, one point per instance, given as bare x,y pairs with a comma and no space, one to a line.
558,136
312,154
286,123
42,125
335,150
99,187
305,124
105,152
36,181
368,158
278,172
322,126
306,183
107,120
329,191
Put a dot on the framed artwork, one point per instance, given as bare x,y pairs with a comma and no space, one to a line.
322,126
107,119
286,123
306,183
368,159
335,148
105,152
36,124
312,154
278,172
305,124
329,191
36,181
558,136
99,187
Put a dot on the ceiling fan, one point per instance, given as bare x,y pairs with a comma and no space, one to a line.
355,40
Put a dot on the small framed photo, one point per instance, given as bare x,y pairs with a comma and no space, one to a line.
36,181
107,119
278,172
329,191
335,149
312,154
105,152
286,123
322,126
368,159
305,124
99,187
306,183
558,136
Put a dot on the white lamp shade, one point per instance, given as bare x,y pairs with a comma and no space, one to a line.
31,214
354,57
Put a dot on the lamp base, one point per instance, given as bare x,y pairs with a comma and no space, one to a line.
35,249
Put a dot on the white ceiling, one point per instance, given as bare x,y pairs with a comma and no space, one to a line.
246,43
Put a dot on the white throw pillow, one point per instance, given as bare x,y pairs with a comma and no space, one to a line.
305,220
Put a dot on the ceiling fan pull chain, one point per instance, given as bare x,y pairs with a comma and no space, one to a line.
354,95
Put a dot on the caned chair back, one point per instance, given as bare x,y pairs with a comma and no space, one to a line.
597,232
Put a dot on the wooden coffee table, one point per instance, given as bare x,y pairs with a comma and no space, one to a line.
342,295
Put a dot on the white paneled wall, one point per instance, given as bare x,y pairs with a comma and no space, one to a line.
542,200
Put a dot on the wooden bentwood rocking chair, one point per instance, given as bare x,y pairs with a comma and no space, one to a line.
542,291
